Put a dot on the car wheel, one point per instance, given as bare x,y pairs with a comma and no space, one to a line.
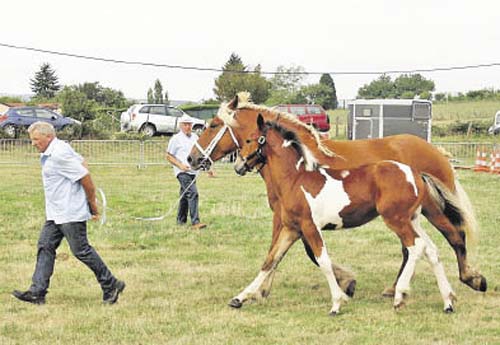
148,130
198,130
10,130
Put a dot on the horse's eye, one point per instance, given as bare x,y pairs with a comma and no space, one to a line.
248,141
213,125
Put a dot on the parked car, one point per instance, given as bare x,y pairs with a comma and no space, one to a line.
16,118
152,119
312,114
495,129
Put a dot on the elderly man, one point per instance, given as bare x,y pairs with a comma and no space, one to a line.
178,150
69,202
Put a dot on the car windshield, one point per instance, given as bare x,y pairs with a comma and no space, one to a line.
298,110
313,110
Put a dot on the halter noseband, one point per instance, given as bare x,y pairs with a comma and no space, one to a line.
210,148
259,156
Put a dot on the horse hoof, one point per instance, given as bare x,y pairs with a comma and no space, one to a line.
235,303
333,313
351,288
449,310
484,285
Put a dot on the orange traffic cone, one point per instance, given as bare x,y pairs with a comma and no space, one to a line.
481,164
495,166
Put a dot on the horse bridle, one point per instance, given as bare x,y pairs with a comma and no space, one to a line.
259,156
210,148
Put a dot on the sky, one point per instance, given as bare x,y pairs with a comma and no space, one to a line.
324,36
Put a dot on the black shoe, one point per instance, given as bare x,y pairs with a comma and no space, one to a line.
28,296
111,296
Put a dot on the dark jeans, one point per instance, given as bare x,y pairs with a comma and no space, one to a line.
76,235
189,200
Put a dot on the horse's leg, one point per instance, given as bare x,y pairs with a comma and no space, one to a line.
432,254
345,278
389,292
284,241
456,238
313,237
265,288
415,247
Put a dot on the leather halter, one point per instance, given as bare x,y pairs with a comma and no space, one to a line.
259,156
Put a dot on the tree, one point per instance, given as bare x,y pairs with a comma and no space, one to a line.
158,92
411,85
166,100
45,83
404,86
330,101
75,104
314,94
104,96
285,85
151,99
383,87
236,77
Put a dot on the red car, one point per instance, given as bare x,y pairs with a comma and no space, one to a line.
312,114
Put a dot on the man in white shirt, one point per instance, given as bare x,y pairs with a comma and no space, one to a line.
178,150
69,202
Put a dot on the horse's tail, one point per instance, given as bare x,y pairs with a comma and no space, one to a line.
456,206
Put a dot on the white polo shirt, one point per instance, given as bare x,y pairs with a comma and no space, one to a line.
180,146
62,169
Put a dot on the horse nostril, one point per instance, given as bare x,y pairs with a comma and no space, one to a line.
190,159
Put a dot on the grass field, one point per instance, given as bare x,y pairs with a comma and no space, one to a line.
179,281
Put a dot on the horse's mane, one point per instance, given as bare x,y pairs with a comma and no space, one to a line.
302,130
290,138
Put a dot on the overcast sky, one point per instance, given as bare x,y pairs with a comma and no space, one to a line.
319,35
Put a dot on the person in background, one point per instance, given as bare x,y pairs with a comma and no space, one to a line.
178,150
69,202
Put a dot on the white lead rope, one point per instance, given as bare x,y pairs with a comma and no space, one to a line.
105,207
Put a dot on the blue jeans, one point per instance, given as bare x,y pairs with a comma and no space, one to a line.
76,235
189,200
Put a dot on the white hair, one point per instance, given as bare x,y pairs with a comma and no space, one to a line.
43,128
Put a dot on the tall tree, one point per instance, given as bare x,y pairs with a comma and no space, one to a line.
286,84
45,84
236,77
151,98
158,92
330,101
166,100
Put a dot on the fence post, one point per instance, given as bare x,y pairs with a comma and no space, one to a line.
141,155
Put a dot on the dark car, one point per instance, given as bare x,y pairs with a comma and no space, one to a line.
17,118
312,114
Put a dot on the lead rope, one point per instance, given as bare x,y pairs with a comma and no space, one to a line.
105,207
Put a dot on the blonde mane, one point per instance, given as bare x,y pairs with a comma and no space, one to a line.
227,114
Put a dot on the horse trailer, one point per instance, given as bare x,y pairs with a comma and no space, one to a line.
377,118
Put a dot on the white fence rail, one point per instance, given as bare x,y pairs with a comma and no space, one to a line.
152,152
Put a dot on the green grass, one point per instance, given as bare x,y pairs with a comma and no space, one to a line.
179,281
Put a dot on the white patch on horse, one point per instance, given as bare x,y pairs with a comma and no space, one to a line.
408,173
286,143
301,160
326,206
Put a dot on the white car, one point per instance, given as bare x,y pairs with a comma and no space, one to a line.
152,119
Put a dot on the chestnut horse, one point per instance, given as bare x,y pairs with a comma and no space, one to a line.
313,197
237,120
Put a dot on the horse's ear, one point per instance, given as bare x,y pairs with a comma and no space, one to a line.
233,104
260,122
